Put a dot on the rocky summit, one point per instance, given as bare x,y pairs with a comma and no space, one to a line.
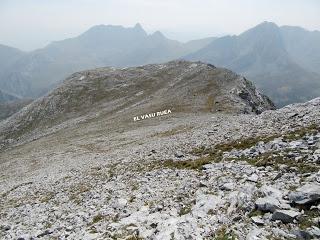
121,94
221,164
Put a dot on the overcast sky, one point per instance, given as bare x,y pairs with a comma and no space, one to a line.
30,24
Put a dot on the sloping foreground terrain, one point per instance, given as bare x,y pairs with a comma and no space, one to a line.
85,170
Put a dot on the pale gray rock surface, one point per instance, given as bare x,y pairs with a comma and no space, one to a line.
97,175
306,194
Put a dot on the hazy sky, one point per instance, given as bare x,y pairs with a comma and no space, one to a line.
30,24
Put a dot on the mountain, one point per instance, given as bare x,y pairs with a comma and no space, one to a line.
179,86
272,58
282,61
303,46
7,109
7,97
75,164
8,55
36,72
195,45
10,104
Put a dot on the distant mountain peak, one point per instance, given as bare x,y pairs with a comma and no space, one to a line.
139,29
265,26
158,35
266,23
104,28
101,28
264,31
138,26
282,61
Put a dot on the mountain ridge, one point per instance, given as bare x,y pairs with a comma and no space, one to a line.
262,54
181,86
101,45
282,61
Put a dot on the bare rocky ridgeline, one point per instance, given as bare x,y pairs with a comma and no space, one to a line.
83,169
121,93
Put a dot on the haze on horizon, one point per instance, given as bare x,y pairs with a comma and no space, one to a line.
32,24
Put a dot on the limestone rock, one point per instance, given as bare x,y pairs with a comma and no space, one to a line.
286,216
306,194
267,204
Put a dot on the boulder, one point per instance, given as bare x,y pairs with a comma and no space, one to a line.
227,187
295,144
314,231
253,178
286,216
257,220
307,194
299,234
271,191
267,204
179,154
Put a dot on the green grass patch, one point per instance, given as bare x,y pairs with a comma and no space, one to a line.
185,210
188,164
254,213
306,220
299,133
214,154
97,219
269,159
224,234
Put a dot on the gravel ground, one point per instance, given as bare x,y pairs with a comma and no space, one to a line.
178,177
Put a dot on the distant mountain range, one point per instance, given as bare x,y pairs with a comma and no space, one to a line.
36,72
10,104
7,97
8,56
284,62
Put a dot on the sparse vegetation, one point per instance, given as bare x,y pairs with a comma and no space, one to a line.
254,213
46,198
224,234
185,210
306,220
77,191
188,164
210,103
214,154
14,188
300,132
97,218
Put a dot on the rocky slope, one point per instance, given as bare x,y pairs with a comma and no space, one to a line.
190,174
7,109
179,85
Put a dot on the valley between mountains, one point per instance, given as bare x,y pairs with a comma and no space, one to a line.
224,164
